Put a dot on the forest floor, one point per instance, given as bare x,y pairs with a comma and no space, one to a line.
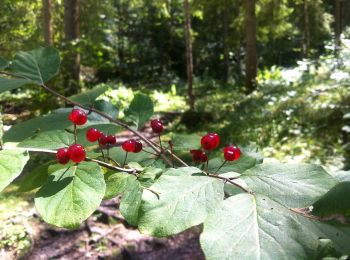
105,235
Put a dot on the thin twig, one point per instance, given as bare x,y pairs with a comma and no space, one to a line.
112,167
227,180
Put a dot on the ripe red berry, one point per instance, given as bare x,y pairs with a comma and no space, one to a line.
92,134
198,156
62,156
138,147
232,153
111,139
76,153
210,141
78,117
129,145
103,140
157,126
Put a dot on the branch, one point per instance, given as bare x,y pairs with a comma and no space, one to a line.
112,167
228,180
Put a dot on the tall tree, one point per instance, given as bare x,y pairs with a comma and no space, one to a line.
47,21
225,26
337,24
306,31
189,56
72,33
251,61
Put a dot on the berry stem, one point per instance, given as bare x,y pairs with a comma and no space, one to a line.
149,152
160,142
75,134
126,156
220,166
103,154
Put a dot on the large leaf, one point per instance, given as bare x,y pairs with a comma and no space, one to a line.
9,84
88,97
182,200
248,227
184,142
131,201
117,183
54,139
71,195
293,185
3,63
335,204
37,65
140,110
12,163
107,108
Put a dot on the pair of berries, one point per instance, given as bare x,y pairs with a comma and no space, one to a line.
78,117
75,152
93,135
132,146
211,141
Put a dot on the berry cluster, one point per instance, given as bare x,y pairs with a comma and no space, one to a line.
210,142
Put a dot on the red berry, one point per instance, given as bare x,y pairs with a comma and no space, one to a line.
103,140
76,153
129,146
232,153
157,126
111,139
210,141
138,147
92,134
78,117
62,156
198,156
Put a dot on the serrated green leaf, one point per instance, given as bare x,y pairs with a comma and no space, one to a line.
118,154
292,185
71,195
117,183
335,203
254,227
184,142
183,201
9,84
49,140
131,202
3,63
89,96
140,110
38,65
107,108
12,163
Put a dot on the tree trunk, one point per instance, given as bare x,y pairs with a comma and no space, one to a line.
72,33
189,57
225,22
47,21
251,52
306,31
337,24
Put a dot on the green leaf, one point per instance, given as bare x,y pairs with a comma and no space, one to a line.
292,185
49,140
3,63
35,179
9,84
184,142
140,110
88,97
107,108
71,195
184,200
248,227
37,65
12,163
335,203
117,183
131,202
149,175
118,154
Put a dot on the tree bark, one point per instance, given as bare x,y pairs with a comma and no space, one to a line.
189,56
251,51
72,33
337,24
47,21
225,22
306,31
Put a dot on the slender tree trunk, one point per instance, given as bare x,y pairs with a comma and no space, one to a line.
251,51
47,21
72,33
306,31
225,22
189,57
337,24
